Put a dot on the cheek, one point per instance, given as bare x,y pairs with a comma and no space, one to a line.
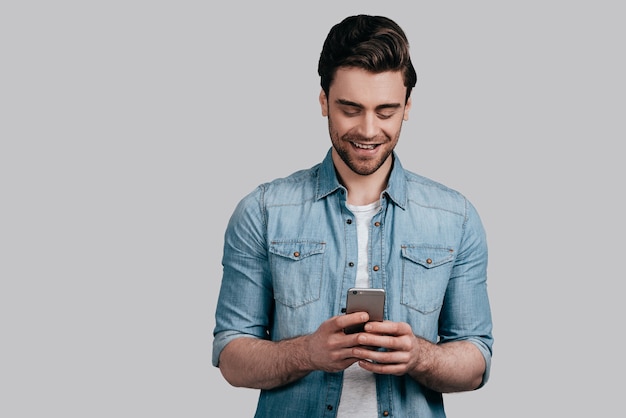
342,125
392,130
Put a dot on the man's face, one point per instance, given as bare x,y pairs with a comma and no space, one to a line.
365,113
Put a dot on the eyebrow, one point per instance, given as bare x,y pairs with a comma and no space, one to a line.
360,106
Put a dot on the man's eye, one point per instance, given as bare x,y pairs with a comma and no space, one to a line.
351,112
385,115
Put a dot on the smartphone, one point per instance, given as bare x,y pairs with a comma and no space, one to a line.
367,300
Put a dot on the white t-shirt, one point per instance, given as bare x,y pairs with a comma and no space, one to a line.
358,396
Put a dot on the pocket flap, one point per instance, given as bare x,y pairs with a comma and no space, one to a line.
426,256
296,250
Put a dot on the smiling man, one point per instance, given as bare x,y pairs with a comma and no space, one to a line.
365,111
294,247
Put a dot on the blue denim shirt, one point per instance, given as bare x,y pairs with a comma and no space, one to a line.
290,256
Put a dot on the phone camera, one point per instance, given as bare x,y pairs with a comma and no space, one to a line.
354,292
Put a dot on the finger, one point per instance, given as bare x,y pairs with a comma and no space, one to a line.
379,368
355,318
385,357
388,328
383,341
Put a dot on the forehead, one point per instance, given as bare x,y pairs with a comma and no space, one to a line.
367,88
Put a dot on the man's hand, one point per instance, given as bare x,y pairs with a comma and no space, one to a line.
330,349
450,367
402,348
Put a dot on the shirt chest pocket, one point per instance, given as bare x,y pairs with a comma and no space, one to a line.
297,268
425,274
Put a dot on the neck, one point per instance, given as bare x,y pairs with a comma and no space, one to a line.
363,190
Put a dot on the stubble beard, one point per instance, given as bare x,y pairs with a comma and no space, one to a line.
363,167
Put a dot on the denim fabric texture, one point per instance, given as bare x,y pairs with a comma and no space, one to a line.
290,257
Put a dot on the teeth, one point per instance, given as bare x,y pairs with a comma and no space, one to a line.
362,146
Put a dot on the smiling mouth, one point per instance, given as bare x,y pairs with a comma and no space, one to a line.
364,146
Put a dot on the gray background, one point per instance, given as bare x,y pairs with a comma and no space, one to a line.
130,129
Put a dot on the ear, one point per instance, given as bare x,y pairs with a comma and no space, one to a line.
324,103
407,108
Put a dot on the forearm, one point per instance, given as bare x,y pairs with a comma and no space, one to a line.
450,367
261,364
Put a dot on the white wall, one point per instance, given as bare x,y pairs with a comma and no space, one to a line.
130,130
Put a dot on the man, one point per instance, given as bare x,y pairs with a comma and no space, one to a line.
294,247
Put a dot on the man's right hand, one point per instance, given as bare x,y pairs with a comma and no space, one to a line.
329,348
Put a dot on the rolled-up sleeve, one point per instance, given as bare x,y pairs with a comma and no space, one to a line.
466,314
245,301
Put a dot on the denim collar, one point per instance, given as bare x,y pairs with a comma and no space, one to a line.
328,183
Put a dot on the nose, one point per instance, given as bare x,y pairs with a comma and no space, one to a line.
368,125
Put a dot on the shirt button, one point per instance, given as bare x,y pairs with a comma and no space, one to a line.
329,407
351,264
386,413
376,268
429,261
376,223
349,221
296,254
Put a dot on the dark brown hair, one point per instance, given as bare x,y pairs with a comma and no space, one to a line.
372,43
